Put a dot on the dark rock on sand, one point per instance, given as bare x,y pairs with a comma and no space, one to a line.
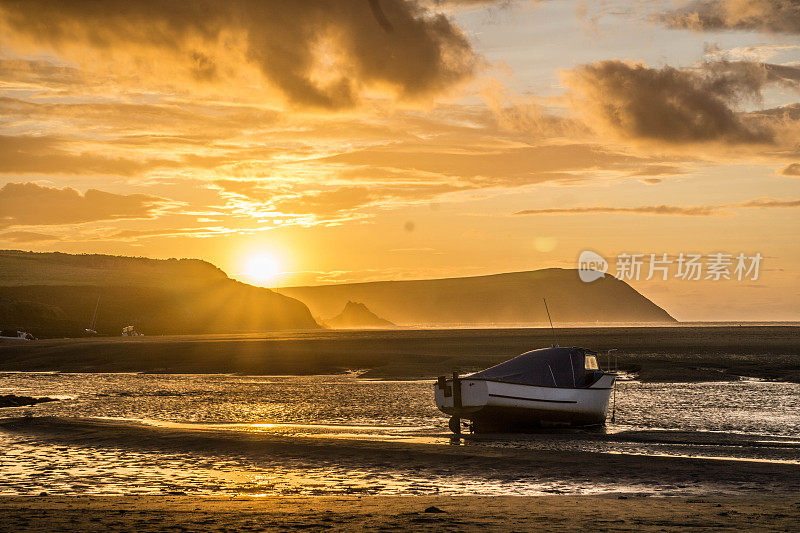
10,400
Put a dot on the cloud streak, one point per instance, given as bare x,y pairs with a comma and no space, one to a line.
28,154
643,210
27,237
670,210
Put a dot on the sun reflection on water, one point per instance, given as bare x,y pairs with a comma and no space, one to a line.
744,420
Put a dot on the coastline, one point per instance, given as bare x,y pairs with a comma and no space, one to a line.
653,354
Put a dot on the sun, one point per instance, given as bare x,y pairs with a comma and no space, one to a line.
262,268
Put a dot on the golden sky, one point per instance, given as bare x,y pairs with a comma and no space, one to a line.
318,141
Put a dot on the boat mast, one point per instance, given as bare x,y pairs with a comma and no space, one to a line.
555,342
94,317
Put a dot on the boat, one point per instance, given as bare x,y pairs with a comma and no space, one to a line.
18,335
556,386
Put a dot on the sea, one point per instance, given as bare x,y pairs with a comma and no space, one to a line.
741,420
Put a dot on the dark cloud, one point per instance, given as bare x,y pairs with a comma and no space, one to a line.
746,79
785,122
30,204
791,170
790,112
27,236
771,16
320,53
677,105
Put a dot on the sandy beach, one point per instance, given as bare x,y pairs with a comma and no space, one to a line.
270,432
465,513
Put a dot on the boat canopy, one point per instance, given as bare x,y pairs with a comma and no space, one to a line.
548,367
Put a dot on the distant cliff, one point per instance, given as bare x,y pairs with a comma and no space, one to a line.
55,294
356,316
501,299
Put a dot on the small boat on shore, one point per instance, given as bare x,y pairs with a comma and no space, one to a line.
17,335
554,386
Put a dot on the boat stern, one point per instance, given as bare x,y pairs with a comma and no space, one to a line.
464,398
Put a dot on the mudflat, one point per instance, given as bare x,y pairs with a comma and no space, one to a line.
679,353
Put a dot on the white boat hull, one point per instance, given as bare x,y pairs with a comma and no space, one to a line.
496,405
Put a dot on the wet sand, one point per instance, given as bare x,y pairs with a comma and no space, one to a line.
665,354
376,513
598,491
615,472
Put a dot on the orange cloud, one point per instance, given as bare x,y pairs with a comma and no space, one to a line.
306,205
31,154
769,203
658,170
328,202
491,166
35,73
136,234
29,204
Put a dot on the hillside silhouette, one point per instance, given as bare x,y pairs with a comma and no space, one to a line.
54,294
356,315
500,299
